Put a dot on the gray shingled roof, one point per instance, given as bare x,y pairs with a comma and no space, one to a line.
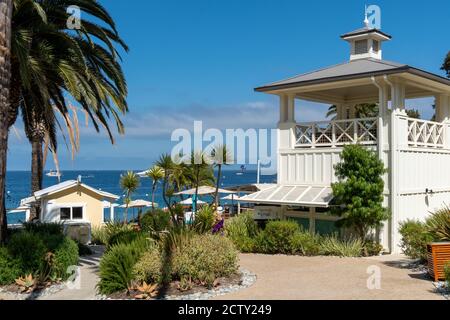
365,30
350,70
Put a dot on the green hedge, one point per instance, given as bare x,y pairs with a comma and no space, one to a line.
276,237
415,238
10,268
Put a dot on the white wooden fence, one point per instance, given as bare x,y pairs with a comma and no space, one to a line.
426,134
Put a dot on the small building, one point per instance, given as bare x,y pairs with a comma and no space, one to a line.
71,202
416,152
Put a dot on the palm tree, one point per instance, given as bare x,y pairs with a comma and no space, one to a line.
446,65
220,156
156,174
165,163
332,112
198,165
49,60
6,8
362,110
129,183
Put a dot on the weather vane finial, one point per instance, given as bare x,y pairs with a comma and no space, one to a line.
366,19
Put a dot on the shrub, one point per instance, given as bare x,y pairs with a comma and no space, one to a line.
447,275
155,220
205,258
438,224
242,230
414,239
304,243
99,236
29,249
83,250
125,236
149,266
358,194
44,228
116,265
10,268
205,219
276,237
372,248
65,255
333,246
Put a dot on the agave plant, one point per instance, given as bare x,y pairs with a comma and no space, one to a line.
26,284
438,224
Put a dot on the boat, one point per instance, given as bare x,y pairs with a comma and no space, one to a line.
54,174
143,174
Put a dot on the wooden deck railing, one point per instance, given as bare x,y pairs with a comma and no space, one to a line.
428,134
337,133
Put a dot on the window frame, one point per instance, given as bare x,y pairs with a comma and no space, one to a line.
71,207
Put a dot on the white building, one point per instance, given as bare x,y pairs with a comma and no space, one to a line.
415,152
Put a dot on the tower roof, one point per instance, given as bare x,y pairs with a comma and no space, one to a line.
366,31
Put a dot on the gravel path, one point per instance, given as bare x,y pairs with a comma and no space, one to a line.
294,277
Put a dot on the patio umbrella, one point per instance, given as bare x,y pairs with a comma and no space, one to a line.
202,190
190,201
138,204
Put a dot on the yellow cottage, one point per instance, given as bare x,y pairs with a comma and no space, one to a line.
71,202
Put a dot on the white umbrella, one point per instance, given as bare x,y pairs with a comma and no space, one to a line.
189,201
138,204
230,197
202,190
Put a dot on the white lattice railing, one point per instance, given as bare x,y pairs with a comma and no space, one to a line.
427,134
337,133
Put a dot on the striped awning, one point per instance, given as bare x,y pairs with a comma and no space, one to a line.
293,195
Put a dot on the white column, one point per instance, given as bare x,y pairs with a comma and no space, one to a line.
442,103
111,213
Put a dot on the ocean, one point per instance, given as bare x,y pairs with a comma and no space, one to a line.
18,186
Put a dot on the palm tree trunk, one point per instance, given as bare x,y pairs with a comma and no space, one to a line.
153,196
219,175
37,167
5,106
196,187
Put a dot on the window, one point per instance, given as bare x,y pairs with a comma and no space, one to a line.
65,213
361,46
71,213
375,46
77,213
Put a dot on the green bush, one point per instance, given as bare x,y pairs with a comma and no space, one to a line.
275,238
372,248
242,230
447,275
65,255
99,235
205,258
10,268
149,266
116,265
205,219
415,238
29,249
125,236
84,250
155,220
333,246
304,243
44,228
438,224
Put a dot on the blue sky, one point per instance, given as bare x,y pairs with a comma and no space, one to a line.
201,59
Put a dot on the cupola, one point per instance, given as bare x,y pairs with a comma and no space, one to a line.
366,42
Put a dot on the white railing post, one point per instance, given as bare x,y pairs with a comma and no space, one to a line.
355,131
313,135
333,134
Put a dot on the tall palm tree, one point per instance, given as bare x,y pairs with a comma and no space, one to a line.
156,174
362,110
220,156
446,65
50,60
129,182
165,162
198,165
5,83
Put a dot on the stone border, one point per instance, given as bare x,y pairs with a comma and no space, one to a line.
35,294
248,279
442,288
